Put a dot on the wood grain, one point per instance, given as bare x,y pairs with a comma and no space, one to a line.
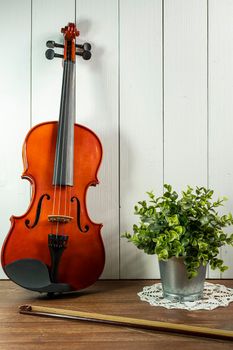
97,108
15,31
106,297
141,129
185,93
220,111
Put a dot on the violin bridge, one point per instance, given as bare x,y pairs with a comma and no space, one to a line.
63,219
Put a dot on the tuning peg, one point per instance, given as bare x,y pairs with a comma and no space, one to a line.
85,54
85,46
50,54
51,44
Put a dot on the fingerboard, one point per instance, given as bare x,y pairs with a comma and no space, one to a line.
64,157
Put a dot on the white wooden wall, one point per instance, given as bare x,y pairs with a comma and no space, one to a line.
158,92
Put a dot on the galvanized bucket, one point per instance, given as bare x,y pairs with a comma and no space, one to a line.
175,283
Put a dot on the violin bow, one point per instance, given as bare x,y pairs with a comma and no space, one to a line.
127,322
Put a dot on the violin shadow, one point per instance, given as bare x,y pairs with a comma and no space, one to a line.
69,295
98,288
83,26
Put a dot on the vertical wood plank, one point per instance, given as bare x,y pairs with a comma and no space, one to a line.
185,93
141,126
97,108
15,31
221,110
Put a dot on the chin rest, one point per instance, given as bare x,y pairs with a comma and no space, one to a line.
34,275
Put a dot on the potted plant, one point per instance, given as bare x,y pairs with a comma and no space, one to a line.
186,233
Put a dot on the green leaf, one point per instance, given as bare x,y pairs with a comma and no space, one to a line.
168,187
151,194
204,220
163,255
172,220
179,229
203,246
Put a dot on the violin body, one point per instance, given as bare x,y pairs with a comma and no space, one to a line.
83,259
55,247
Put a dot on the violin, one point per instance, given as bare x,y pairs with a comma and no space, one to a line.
55,247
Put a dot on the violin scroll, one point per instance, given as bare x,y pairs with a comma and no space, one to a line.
70,47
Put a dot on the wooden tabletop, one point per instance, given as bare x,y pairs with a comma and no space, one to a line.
18,332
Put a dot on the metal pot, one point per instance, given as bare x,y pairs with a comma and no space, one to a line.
175,283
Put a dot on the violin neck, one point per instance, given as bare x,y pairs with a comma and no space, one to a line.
64,158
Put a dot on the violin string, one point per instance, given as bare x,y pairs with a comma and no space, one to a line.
62,153
58,150
59,139
62,156
74,111
68,212
70,201
69,186
58,147
65,200
68,66
55,175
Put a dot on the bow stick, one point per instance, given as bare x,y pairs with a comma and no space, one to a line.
128,322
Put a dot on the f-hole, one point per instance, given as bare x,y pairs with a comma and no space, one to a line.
38,210
86,227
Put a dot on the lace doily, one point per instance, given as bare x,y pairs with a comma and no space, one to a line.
214,295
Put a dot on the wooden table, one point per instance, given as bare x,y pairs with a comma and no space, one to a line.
18,332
